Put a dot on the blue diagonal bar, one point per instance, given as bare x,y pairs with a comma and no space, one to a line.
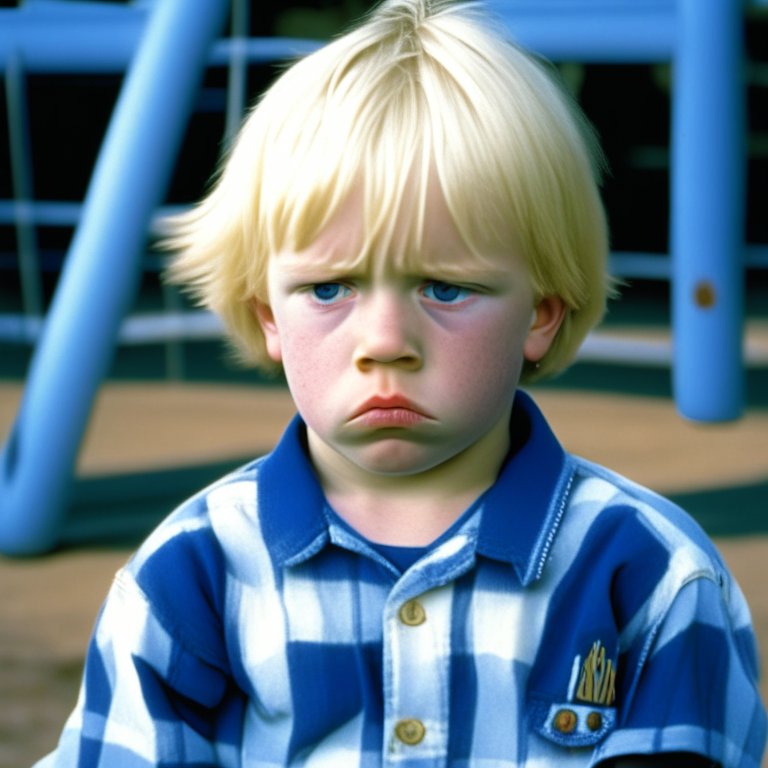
101,271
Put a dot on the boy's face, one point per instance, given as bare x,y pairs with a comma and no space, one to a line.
395,369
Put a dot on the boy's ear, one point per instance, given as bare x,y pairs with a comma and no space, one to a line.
268,325
548,316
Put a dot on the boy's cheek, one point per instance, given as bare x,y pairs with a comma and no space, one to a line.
315,366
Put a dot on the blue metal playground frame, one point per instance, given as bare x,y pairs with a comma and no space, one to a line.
166,46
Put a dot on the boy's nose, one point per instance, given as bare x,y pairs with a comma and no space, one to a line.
387,335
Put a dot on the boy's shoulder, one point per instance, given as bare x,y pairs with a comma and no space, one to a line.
236,490
642,542
621,502
202,535
626,556
180,576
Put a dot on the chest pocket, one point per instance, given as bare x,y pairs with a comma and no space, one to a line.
570,724
585,715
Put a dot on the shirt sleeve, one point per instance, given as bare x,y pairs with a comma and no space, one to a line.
695,683
146,699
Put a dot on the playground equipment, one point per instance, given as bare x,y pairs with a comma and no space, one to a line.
167,44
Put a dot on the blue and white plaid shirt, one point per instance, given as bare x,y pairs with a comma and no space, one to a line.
571,616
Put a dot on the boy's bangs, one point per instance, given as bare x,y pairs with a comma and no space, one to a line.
401,141
368,147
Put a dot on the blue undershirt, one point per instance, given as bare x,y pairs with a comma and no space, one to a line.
401,557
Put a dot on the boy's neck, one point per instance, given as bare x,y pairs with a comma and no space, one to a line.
409,510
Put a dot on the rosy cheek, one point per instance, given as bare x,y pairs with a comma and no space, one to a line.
482,357
481,334
312,359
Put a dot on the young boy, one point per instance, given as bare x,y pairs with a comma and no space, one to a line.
418,575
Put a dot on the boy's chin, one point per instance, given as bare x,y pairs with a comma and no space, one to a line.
396,458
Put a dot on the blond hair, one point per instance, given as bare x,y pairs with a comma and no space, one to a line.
419,88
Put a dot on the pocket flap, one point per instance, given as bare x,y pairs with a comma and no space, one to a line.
570,724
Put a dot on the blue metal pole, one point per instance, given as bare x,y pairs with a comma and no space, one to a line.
591,32
237,85
21,173
101,272
708,210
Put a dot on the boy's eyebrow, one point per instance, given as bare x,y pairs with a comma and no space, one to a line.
314,270
468,272
321,270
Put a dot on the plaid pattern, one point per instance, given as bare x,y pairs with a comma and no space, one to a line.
252,630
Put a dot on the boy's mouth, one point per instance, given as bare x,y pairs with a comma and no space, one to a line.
389,411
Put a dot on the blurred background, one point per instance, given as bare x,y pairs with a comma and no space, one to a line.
175,414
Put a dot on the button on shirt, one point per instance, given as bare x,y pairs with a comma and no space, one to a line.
251,629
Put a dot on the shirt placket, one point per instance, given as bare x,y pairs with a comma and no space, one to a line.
417,624
416,676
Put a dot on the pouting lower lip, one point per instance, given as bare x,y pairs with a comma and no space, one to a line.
393,402
390,417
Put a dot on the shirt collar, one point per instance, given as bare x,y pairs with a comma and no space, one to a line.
523,508
520,512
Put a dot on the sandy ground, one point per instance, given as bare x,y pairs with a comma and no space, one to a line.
138,427
48,605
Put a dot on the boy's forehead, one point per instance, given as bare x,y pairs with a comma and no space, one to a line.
420,234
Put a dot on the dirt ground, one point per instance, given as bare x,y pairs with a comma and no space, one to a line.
48,604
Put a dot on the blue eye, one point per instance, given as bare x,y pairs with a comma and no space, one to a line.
446,293
328,293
